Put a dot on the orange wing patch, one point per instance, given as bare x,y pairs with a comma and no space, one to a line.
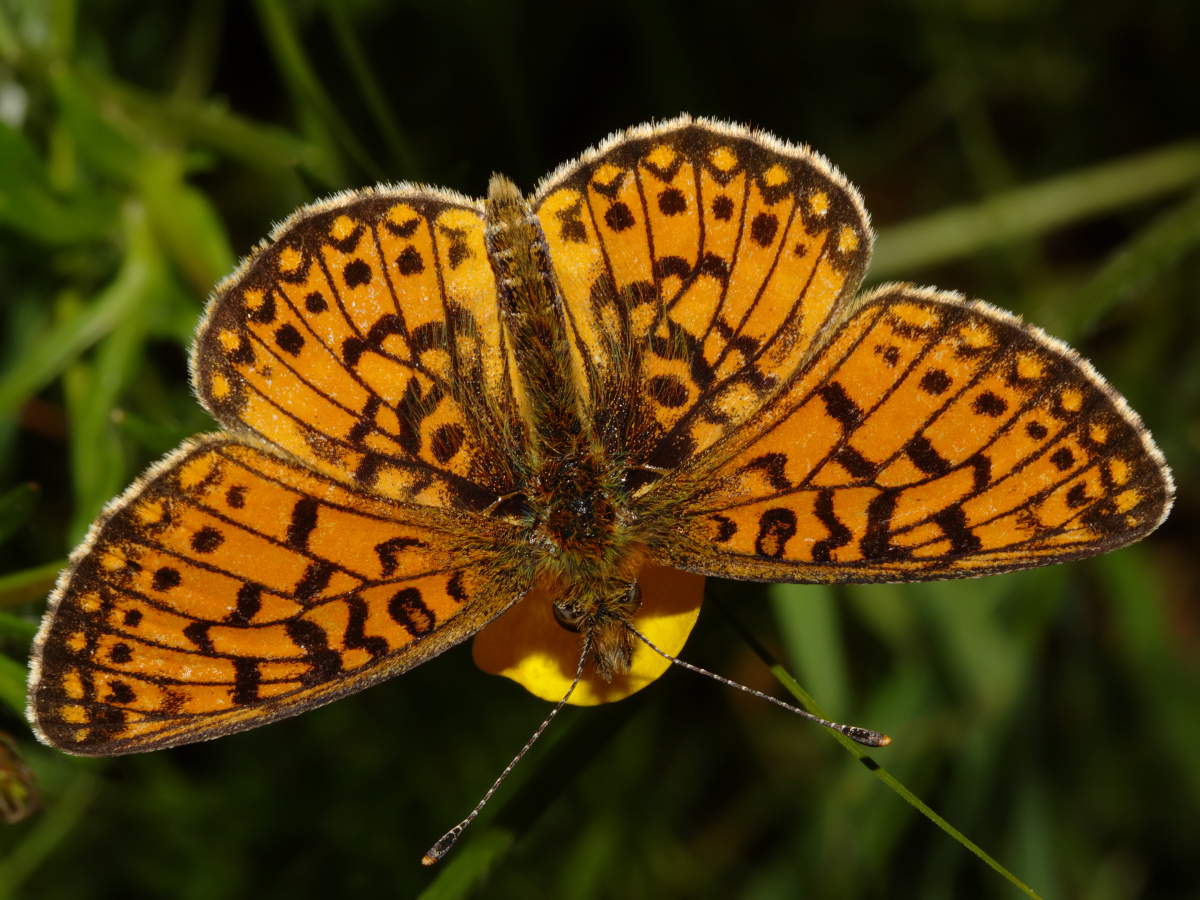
231,588
931,438
700,263
366,341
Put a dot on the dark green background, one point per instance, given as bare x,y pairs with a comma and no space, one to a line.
1052,716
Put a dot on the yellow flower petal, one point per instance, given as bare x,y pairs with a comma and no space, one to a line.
527,645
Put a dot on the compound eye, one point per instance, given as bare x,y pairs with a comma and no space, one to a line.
567,617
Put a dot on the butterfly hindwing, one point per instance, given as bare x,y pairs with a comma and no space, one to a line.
231,587
931,438
366,340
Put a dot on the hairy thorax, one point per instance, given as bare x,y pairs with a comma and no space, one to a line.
588,555
583,535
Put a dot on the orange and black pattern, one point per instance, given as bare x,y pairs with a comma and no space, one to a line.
708,260
931,438
231,587
711,395
367,342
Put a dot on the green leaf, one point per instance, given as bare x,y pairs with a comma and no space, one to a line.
1033,210
30,206
100,143
45,359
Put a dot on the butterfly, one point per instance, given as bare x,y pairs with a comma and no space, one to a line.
437,409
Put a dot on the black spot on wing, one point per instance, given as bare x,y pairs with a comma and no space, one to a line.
303,522
120,692
935,382
120,653
668,391
355,636
925,457
839,534
207,539
726,528
763,228
619,217
854,462
289,340
772,465
1062,458
246,679
166,578
988,404
447,440
388,552
839,405
357,273
409,262
672,202
249,602
776,526
409,611
311,638
314,580
953,522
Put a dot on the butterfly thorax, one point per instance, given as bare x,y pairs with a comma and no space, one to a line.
582,533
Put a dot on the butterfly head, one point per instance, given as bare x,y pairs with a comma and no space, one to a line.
604,617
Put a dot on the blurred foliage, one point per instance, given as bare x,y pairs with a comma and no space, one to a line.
1042,155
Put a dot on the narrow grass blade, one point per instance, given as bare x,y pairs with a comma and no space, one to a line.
786,679
1036,209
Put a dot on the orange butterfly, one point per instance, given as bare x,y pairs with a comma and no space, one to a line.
436,406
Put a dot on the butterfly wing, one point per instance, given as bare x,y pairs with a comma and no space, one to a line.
794,434
929,438
698,264
231,587
366,341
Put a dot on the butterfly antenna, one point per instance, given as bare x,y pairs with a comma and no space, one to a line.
856,734
442,847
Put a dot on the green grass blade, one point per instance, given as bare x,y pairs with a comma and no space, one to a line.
1155,250
267,148
12,684
373,94
1033,210
462,875
301,78
807,701
29,584
811,631
16,627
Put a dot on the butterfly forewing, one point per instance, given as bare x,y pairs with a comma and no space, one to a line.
232,587
930,438
367,342
705,260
